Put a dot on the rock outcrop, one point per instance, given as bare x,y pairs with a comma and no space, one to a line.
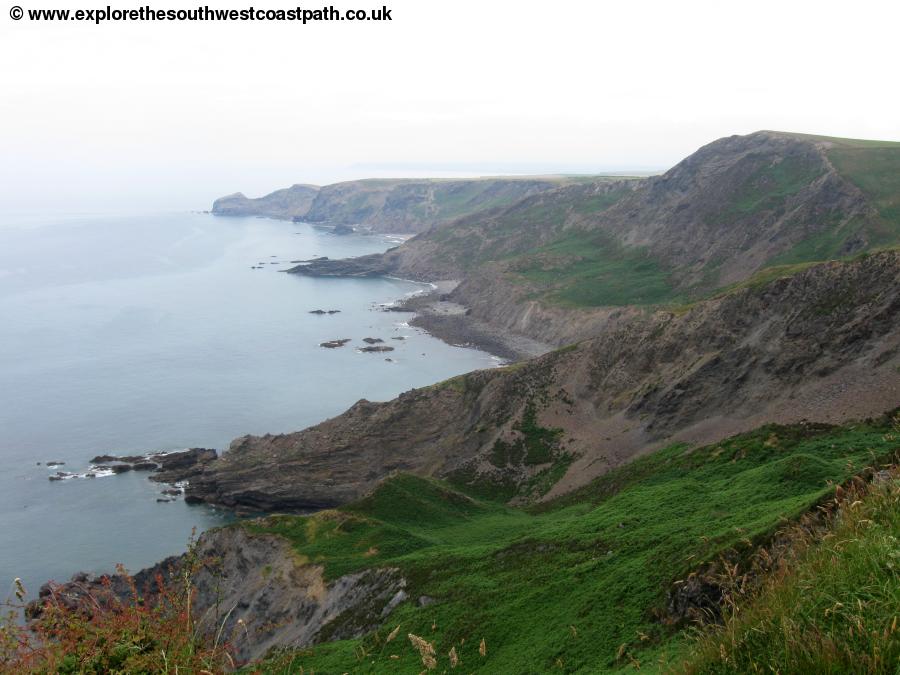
254,589
167,467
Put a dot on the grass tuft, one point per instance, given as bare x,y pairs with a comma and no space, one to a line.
832,602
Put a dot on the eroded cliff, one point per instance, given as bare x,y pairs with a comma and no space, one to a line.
818,344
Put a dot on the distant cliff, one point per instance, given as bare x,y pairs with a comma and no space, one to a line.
389,205
285,204
556,265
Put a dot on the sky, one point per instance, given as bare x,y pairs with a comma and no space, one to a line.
170,115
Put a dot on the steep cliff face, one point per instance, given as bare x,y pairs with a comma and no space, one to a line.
389,205
416,205
820,344
254,591
737,204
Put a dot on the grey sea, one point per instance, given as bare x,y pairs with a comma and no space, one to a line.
130,334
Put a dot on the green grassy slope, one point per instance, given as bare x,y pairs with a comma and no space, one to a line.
831,607
422,203
475,195
593,270
582,267
841,142
523,227
575,585
874,168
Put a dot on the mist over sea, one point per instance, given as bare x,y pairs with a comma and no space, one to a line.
130,334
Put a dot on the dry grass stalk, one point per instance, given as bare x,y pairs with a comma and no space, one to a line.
425,649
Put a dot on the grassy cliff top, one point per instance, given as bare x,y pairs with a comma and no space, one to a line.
838,141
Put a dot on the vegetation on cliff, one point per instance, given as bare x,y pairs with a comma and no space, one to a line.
831,604
390,205
597,261
816,342
104,633
582,584
787,535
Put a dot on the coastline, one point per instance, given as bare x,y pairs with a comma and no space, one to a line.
435,313
218,258
452,323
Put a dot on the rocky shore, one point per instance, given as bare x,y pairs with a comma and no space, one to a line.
434,312
171,468
454,324
820,344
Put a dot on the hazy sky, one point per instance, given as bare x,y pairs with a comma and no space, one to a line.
170,115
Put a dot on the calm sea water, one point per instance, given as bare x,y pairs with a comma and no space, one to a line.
143,333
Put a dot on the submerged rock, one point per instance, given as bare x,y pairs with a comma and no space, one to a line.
319,259
334,344
372,341
377,348
168,467
128,459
